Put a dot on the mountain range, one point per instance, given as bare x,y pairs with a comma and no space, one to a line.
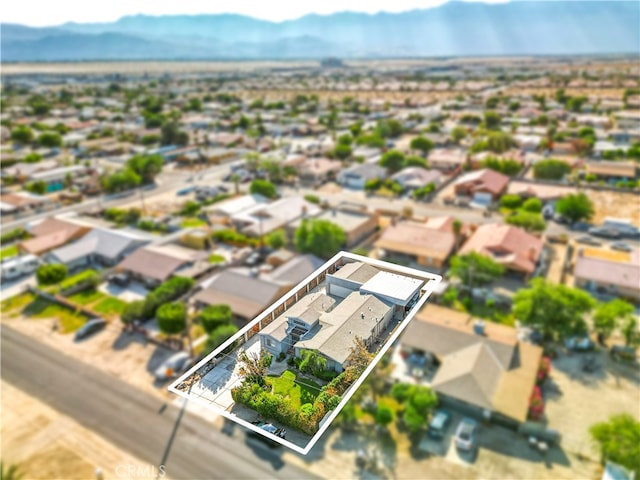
452,29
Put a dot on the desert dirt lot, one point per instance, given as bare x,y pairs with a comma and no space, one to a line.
47,445
615,204
129,357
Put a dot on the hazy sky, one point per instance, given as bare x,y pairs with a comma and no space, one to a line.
55,12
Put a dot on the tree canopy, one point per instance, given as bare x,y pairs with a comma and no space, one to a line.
22,134
575,207
422,144
146,166
51,274
531,222
608,316
393,160
50,139
555,310
475,269
550,169
320,237
619,441
264,188
214,316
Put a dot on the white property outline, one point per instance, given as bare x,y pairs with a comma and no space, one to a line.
431,282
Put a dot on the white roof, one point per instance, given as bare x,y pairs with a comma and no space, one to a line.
392,285
237,205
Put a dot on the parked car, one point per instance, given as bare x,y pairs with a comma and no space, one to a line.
270,428
120,279
560,219
467,434
587,240
579,343
580,227
439,424
621,246
89,328
185,191
605,232
172,366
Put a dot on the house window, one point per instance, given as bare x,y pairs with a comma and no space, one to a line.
270,343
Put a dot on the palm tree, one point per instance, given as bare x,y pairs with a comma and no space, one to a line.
235,178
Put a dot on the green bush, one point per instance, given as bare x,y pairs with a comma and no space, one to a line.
132,311
166,292
281,356
264,188
234,238
312,198
402,391
88,279
532,205
172,317
221,335
529,221
13,235
510,201
51,274
214,316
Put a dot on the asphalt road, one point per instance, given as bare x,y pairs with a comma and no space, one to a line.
170,180
154,432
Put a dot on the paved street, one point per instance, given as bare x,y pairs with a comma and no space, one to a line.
136,422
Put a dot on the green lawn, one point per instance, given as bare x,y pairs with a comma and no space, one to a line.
69,321
9,252
215,258
110,306
300,393
17,302
193,222
87,296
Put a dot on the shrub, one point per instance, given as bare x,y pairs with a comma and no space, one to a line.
221,335
550,169
88,279
384,415
190,208
312,198
12,235
171,317
402,391
214,316
51,274
510,201
132,312
533,205
166,292
281,356
264,188
529,221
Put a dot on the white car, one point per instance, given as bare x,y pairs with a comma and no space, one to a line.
467,434
172,366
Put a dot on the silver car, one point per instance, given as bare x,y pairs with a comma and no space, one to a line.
172,366
467,434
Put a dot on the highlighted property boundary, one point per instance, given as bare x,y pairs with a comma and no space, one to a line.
431,281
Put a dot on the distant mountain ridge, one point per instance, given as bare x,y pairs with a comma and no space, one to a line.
452,29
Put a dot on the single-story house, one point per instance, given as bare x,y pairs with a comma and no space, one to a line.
447,159
154,264
23,170
264,218
510,246
416,177
21,202
316,171
106,247
51,233
294,268
539,190
609,273
611,170
357,176
223,212
481,181
418,242
480,368
247,294
357,223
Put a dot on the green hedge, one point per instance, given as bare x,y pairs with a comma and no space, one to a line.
89,277
166,292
